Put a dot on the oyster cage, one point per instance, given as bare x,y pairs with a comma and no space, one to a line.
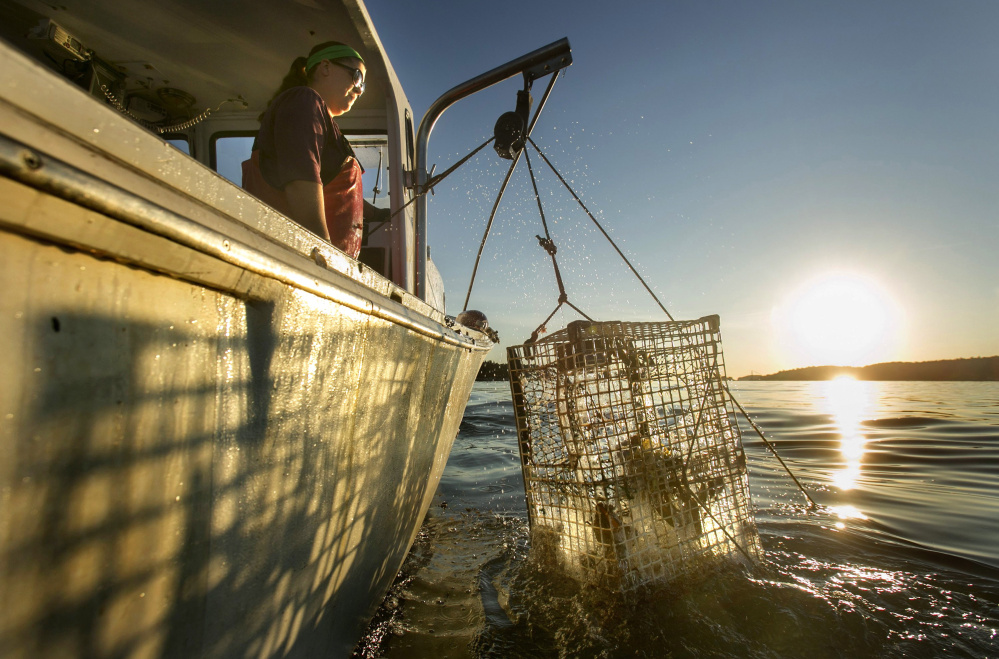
632,459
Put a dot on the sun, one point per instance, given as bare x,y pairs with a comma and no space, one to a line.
840,319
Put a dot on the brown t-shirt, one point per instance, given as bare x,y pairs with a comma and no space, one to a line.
299,141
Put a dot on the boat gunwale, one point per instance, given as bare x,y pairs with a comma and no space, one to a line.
51,176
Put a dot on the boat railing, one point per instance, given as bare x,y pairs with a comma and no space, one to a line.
536,64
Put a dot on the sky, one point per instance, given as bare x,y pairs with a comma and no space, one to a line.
824,176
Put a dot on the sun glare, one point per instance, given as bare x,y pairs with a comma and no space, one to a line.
839,319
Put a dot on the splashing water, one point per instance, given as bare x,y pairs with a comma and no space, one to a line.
904,563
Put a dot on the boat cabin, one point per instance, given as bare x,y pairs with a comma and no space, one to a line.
180,84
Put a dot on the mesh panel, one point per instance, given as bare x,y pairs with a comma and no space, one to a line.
632,459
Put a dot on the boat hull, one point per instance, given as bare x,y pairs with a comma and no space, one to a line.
205,461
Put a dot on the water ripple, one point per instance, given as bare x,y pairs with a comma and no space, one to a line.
901,559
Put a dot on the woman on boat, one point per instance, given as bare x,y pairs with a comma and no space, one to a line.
301,164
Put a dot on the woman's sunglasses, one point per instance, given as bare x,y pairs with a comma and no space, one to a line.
358,78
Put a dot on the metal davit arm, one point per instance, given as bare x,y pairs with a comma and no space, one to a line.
536,64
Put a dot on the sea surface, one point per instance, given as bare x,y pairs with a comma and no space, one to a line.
899,559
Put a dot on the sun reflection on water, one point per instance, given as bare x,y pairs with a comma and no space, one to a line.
849,402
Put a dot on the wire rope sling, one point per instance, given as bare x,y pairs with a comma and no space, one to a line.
632,459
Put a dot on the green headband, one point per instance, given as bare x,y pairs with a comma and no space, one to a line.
333,52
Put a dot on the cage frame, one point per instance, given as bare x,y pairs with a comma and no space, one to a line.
640,470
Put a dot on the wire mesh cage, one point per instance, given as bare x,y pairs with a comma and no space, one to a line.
633,463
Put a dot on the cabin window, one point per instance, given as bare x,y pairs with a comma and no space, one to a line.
410,142
372,153
229,150
179,142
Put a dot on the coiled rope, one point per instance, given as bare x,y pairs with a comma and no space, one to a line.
190,123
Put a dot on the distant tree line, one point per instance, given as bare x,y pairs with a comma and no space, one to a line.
493,371
971,369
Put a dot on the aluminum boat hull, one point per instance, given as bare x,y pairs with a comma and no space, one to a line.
212,444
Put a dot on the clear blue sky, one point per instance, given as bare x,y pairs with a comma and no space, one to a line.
743,155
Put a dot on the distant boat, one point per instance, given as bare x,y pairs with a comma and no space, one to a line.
219,434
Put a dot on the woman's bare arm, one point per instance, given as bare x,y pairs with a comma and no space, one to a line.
305,199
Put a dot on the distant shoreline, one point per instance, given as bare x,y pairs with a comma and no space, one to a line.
973,369
493,372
